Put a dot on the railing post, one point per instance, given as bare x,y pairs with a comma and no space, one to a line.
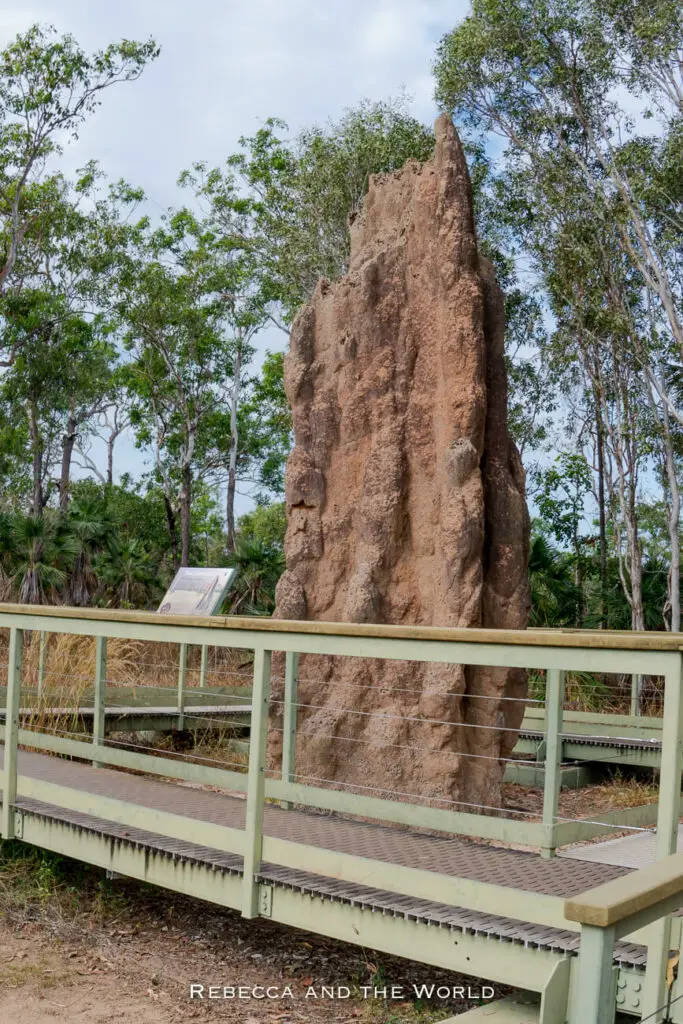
42,649
554,701
9,774
596,990
258,740
636,687
203,668
671,761
100,694
182,675
289,720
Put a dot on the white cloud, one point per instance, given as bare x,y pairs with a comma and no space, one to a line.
226,66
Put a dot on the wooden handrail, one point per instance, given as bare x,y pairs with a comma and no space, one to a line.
595,639
624,897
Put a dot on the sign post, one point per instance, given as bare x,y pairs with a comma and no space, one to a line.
195,592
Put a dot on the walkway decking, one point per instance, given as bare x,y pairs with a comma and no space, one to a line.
455,856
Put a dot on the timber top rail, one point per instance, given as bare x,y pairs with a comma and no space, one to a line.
621,898
592,639
454,863
214,831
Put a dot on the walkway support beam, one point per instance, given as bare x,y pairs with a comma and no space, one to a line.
289,720
100,694
9,773
253,829
554,697
182,676
596,989
654,994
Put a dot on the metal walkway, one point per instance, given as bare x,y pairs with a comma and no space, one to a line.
456,857
445,884
137,718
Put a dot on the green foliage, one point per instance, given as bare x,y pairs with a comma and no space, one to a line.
127,573
48,87
554,597
259,558
306,189
562,495
265,427
266,524
41,552
259,567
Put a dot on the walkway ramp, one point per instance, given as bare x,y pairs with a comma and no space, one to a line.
439,883
453,857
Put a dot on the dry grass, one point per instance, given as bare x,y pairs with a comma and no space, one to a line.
609,694
618,792
625,791
69,668
129,662
132,667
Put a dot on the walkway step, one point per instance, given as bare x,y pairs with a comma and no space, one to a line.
518,1009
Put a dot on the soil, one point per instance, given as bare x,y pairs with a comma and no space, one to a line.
136,965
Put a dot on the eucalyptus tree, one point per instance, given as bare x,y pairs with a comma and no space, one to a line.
111,422
267,427
227,246
601,209
306,188
49,86
58,380
174,299
55,332
547,76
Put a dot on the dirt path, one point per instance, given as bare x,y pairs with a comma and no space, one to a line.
135,966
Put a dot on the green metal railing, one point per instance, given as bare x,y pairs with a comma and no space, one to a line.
606,914
556,653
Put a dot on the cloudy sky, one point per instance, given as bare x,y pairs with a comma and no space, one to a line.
226,66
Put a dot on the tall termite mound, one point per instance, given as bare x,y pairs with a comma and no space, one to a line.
405,493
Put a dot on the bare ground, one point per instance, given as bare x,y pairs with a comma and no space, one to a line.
72,956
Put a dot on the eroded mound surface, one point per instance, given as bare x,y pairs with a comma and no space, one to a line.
405,492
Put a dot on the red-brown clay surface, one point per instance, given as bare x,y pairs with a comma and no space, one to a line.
405,492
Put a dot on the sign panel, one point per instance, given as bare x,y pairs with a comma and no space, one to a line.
197,591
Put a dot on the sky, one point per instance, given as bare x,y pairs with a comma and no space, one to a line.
227,65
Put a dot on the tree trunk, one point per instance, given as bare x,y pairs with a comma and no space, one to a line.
117,429
674,516
68,442
172,531
602,517
111,441
578,579
637,609
185,510
230,509
37,502
234,446
636,564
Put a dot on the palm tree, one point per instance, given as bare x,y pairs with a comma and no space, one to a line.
43,557
554,595
127,572
88,528
259,567
7,553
